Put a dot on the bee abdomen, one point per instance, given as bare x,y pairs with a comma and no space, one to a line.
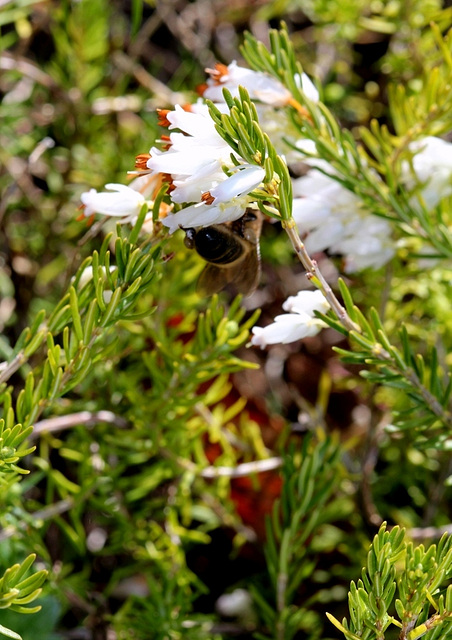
218,246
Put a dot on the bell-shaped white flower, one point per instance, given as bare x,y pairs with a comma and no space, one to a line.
260,86
240,182
204,215
299,323
228,201
195,157
121,201
307,302
334,219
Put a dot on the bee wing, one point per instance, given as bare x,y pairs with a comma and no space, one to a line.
247,272
243,274
212,280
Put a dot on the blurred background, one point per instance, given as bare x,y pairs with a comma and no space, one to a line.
79,85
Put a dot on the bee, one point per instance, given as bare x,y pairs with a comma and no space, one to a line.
231,250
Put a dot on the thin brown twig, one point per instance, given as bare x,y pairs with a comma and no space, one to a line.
7,369
429,533
10,61
85,418
243,469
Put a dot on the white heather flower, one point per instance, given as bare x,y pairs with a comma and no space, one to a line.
122,201
259,85
229,201
307,302
334,219
432,166
240,182
195,160
203,215
299,323
269,94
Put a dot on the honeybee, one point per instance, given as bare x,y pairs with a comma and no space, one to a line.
232,252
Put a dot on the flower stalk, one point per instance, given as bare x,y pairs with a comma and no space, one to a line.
315,275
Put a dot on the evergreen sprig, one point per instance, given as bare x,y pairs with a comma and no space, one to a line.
240,129
164,613
426,385
16,591
310,476
373,174
79,320
420,587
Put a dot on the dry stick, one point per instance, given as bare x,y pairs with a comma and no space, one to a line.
243,469
91,418
429,533
8,368
87,418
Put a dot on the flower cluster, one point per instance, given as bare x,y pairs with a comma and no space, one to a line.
334,219
197,162
209,184
300,321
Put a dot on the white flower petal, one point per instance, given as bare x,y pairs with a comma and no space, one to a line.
191,188
356,262
183,163
202,215
307,302
240,182
309,88
198,125
309,213
324,236
286,328
145,184
123,202
432,165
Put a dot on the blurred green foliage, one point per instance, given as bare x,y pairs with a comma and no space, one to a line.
122,503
